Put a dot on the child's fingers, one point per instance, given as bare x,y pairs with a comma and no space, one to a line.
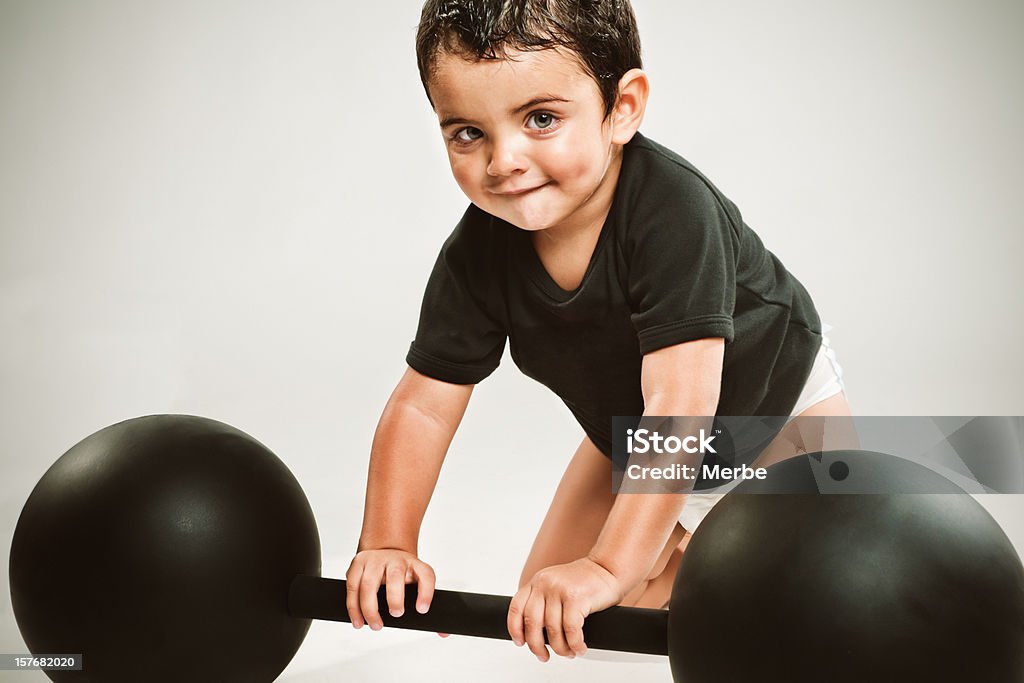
572,622
514,621
394,576
553,627
369,584
424,585
365,579
533,624
352,578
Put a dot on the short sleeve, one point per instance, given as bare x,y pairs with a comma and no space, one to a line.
460,337
682,250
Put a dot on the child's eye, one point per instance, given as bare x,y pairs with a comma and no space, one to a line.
542,120
467,135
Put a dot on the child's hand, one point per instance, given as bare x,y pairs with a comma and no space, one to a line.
557,600
370,569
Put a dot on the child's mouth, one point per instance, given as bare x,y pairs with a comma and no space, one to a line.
522,191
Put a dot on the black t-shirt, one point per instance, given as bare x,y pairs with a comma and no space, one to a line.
674,262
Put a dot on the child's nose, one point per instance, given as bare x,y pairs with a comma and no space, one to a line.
507,158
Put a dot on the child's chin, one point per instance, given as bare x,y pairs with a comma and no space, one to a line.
532,227
530,224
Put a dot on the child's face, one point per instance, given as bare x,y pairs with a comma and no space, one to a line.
528,140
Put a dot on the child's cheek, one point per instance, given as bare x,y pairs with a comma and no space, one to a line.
576,164
462,171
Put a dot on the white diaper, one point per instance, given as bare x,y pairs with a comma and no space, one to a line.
825,380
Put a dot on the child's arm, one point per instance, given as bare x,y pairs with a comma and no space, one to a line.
680,380
409,445
685,380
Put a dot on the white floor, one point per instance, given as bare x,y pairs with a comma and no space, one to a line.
336,652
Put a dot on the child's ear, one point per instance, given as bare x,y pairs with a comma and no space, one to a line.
629,110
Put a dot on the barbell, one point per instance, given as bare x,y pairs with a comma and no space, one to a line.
178,548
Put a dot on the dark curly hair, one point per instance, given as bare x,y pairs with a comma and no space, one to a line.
602,33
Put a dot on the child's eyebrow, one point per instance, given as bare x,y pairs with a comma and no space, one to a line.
540,99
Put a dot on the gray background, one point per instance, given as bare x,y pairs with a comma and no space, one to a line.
230,209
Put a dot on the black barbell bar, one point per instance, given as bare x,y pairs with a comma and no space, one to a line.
623,629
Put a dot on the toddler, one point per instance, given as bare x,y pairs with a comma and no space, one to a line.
620,277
